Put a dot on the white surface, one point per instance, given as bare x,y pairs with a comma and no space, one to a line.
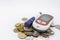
11,11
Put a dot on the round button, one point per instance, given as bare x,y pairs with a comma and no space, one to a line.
43,22
38,21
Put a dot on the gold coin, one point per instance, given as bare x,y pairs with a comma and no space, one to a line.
21,30
20,27
15,30
17,24
28,33
24,19
21,35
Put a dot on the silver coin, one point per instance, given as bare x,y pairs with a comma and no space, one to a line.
45,35
57,26
52,33
36,34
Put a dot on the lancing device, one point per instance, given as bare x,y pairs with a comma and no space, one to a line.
28,23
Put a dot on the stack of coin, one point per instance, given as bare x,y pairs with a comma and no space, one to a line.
20,26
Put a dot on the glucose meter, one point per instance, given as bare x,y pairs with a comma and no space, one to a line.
43,22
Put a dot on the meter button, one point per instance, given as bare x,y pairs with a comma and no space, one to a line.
43,22
38,21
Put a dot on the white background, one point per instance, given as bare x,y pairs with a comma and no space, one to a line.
11,12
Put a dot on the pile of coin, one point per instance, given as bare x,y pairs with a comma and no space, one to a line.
23,32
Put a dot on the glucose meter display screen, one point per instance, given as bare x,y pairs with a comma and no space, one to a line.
45,18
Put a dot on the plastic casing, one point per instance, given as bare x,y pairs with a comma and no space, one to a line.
42,27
